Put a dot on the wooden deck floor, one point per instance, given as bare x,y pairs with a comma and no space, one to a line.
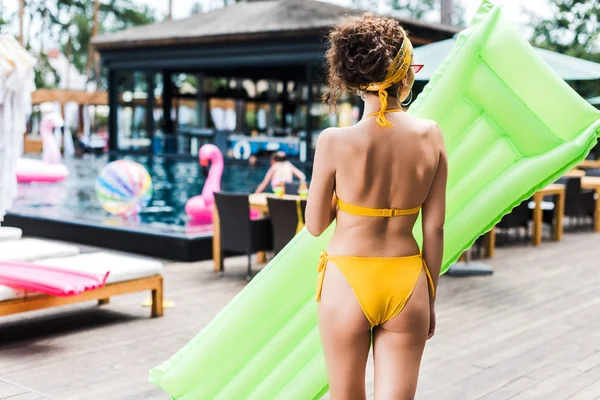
531,331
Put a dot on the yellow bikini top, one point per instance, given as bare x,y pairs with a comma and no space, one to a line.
375,212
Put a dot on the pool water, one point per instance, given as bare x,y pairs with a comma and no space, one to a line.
174,182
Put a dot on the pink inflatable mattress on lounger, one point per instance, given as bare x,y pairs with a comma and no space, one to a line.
48,279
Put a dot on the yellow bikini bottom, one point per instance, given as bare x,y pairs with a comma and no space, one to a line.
382,285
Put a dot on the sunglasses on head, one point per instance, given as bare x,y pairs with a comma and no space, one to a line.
416,67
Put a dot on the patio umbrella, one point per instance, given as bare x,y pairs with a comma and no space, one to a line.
567,67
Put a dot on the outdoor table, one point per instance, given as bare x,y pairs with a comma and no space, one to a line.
593,182
589,164
574,173
554,189
258,202
490,243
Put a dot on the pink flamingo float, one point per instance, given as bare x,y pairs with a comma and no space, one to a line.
49,169
200,208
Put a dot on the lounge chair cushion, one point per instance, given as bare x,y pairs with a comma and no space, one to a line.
35,249
122,268
8,233
7,293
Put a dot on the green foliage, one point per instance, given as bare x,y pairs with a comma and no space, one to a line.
413,9
43,70
370,5
72,21
458,14
573,29
197,8
3,23
124,14
80,43
416,9
5,18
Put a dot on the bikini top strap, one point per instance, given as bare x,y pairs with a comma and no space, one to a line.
377,113
375,212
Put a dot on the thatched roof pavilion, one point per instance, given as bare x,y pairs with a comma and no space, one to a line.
265,39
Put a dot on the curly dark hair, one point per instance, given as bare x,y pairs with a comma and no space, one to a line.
360,52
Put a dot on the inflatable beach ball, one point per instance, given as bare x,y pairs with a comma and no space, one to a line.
123,187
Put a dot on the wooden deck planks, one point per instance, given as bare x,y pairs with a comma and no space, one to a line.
532,330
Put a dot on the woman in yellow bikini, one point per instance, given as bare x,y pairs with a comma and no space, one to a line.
375,178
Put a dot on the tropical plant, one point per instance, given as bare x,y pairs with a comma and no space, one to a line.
413,9
70,23
573,29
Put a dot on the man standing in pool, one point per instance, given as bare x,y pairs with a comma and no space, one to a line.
281,172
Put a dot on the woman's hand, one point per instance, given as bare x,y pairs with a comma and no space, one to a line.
431,321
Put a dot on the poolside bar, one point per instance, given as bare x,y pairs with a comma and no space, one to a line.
247,77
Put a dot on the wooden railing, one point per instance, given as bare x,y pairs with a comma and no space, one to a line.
67,96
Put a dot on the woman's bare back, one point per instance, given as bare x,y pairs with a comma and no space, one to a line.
382,168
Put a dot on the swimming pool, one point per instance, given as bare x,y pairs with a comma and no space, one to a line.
174,181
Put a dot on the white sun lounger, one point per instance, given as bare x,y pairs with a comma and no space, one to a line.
7,293
127,275
35,249
7,233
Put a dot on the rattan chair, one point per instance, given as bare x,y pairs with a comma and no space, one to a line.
516,221
285,220
579,203
240,234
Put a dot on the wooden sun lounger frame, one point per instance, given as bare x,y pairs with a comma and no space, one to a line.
103,294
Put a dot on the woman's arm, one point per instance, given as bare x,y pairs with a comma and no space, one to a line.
298,174
434,213
268,176
320,208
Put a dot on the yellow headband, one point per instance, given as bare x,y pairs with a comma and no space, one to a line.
396,72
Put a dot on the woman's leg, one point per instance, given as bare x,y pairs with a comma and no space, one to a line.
346,337
398,346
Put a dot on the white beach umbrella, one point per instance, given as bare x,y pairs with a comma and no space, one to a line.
567,67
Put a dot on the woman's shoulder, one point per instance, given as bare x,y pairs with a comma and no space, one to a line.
424,126
329,136
428,129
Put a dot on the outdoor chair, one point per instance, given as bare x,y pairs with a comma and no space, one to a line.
562,180
517,220
592,172
284,219
548,216
292,188
240,234
579,203
477,250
